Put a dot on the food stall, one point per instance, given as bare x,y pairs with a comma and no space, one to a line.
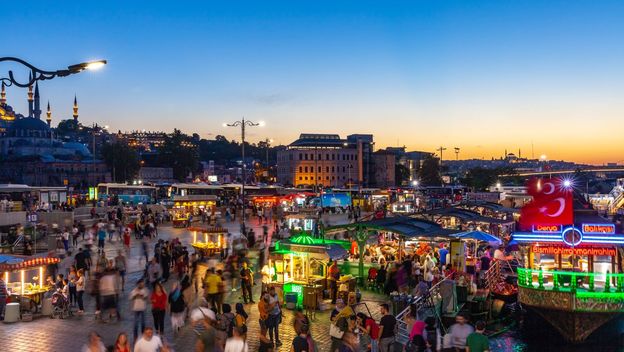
299,267
209,241
24,278
301,222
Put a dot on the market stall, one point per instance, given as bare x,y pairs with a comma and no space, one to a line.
24,278
298,267
209,241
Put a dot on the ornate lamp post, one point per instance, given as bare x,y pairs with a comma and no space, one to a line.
243,124
41,75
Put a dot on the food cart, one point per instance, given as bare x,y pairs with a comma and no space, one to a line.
24,278
209,241
298,267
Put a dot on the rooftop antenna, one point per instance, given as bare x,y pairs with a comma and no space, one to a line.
456,153
532,151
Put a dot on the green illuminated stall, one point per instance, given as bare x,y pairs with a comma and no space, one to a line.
299,266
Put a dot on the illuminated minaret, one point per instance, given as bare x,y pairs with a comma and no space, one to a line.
49,113
30,98
3,95
37,110
75,109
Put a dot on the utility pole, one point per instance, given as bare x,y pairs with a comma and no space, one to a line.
456,153
441,150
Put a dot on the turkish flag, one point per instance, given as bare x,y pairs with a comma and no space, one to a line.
551,204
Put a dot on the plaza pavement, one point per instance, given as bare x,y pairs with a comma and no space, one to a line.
45,334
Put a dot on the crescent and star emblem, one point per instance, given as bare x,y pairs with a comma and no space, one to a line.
559,211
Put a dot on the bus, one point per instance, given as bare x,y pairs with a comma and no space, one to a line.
128,194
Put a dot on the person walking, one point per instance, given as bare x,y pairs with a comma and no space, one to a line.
120,265
237,342
101,235
121,344
154,272
386,329
149,342
80,290
275,317
177,307
477,341
159,305
459,333
211,289
138,304
246,278
94,344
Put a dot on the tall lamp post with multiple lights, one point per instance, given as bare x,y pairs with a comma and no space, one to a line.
243,124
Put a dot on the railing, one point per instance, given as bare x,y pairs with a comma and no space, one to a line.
425,301
571,281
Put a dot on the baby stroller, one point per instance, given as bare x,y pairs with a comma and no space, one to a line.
60,306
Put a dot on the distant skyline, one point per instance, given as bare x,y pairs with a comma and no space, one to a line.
484,76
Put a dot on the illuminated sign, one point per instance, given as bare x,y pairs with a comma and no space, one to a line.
576,250
598,229
547,228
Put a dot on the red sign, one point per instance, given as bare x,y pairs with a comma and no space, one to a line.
551,204
576,250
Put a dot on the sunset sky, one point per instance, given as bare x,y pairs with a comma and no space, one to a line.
484,76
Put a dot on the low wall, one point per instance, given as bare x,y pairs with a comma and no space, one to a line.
12,218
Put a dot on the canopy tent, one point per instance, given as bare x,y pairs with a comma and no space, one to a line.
465,215
14,263
489,205
407,227
479,236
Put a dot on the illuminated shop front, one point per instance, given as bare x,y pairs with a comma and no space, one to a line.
208,241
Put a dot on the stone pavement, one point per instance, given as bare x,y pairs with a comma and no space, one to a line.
45,334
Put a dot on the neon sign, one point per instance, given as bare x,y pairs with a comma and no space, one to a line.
547,228
598,229
577,251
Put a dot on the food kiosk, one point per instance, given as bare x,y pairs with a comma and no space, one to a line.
24,278
209,241
299,267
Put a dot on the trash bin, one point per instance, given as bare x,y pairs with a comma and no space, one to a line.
11,312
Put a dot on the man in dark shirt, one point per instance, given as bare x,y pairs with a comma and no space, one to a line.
300,342
386,329
246,282
80,261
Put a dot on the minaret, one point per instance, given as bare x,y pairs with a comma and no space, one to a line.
75,110
30,97
49,113
3,95
37,111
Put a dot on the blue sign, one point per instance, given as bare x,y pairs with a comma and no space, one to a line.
335,200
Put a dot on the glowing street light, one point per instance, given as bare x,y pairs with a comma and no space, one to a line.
41,75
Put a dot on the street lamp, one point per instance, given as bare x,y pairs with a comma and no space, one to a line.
41,75
243,123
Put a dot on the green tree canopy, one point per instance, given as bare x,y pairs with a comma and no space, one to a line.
122,160
401,174
180,153
480,178
429,173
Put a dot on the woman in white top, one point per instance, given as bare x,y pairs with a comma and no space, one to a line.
80,289
237,343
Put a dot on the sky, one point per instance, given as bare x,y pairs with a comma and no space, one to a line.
542,77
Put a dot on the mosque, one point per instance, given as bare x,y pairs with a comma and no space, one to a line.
31,153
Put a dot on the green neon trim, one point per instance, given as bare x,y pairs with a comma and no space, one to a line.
611,295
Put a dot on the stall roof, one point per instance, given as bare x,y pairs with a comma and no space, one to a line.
465,215
479,236
402,225
13,262
492,206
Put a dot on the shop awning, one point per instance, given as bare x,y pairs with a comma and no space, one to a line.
465,215
478,236
402,225
13,263
336,252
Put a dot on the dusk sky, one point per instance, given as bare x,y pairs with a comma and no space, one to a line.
484,76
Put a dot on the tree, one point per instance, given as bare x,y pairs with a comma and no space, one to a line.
429,173
122,160
401,174
180,153
480,178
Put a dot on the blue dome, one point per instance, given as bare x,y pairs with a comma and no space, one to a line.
29,124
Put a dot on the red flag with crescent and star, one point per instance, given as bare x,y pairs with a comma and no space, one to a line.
551,204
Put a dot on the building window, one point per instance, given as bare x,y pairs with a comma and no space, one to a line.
306,169
319,178
300,178
326,178
300,156
333,156
327,156
343,169
306,178
300,169
327,169
355,157
333,178
333,170
305,156
319,169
